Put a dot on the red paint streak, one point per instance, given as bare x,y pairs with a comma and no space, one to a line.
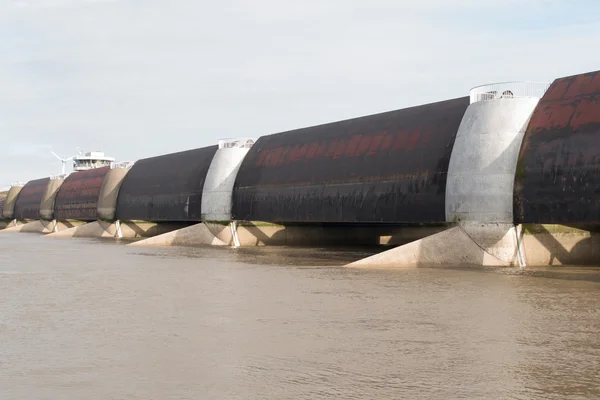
312,150
284,157
32,191
80,188
584,85
274,156
569,103
587,112
577,87
341,148
556,91
553,116
332,147
537,121
401,140
82,180
356,145
321,150
571,87
595,84
295,153
268,157
91,192
387,141
376,142
363,146
302,152
352,145
262,156
288,155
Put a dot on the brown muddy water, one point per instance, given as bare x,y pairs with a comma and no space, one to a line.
91,319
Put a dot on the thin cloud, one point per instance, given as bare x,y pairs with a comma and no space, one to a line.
141,78
47,4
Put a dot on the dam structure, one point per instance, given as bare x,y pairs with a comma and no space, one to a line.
34,206
479,187
183,193
7,206
506,176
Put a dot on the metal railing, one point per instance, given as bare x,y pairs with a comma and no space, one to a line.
122,164
509,90
244,143
58,176
18,183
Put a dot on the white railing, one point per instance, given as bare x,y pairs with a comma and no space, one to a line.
244,143
508,90
58,176
122,164
18,183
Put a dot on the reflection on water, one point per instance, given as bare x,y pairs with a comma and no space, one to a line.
89,319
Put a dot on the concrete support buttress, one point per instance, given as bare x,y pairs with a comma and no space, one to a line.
479,192
218,185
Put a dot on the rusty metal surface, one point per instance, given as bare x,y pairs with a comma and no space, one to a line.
77,197
388,167
165,188
558,172
30,199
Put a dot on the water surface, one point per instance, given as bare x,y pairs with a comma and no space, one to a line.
92,319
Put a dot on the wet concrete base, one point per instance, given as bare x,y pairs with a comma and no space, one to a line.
144,229
197,234
91,229
266,234
128,229
495,245
42,226
477,244
250,234
5,225
561,245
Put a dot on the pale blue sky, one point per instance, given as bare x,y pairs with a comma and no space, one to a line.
138,78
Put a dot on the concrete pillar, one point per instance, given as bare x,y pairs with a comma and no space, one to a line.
47,204
218,185
482,166
117,230
11,200
37,226
109,192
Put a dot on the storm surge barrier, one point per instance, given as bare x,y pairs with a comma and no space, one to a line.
505,176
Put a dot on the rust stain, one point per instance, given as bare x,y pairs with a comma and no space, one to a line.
558,174
356,146
29,200
388,167
78,195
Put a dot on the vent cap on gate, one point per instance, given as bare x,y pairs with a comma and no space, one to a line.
509,90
